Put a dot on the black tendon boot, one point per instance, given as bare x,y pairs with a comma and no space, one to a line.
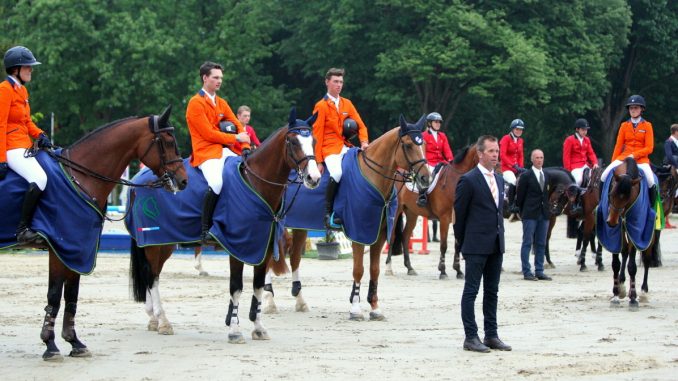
208,204
24,234
329,204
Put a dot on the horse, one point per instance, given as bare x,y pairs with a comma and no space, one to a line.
624,194
586,235
440,206
379,163
559,180
266,170
93,164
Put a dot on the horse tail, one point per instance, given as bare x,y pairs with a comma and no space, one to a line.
141,277
279,267
397,244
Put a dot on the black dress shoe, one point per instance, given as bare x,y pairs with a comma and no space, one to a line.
475,345
543,277
497,344
529,277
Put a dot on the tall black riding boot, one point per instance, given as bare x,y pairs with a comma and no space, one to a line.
577,209
653,195
330,193
24,234
208,204
513,208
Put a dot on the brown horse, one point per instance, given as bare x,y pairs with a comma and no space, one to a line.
94,162
266,170
624,192
586,233
440,206
397,148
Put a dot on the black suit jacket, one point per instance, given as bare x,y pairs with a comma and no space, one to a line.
670,152
478,223
532,201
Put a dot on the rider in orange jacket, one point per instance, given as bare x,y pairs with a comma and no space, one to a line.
16,131
214,132
331,145
512,159
578,156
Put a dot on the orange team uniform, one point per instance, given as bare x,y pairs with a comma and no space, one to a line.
203,119
328,128
16,124
638,141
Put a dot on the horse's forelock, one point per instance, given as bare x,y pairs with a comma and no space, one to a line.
624,186
631,168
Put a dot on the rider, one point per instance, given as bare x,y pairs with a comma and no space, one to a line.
635,139
214,131
437,147
16,131
512,159
331,145
578,156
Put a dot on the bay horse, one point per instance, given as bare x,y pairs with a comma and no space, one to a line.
266,170
440,206
625,188
379,163
586,232
94,162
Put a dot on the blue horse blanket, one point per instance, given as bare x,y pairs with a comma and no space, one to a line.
638,221
243,223
358,203
69,220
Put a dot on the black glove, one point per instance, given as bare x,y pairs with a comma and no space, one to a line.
245,153
43,142
3,170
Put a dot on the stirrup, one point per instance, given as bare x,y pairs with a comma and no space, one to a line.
332,222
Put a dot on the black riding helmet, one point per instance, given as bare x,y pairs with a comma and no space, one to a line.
18,56
581,123
350,129
636,100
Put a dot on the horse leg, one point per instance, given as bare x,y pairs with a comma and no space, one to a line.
622,273
647,262
269,302
156,258
372,296
396,239
616,266
259,332
547,255
71,290
456,264
197,261
57,275
585,239
407,234
235,336
355,313
298,245
633,302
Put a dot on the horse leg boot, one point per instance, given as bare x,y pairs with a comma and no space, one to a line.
208,205
24,234
330,193
68,333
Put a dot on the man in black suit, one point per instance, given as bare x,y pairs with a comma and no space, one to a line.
671,147
533,201
479,229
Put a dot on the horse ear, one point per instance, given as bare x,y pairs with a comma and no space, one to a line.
421,123
163,120
292,121
312,119
403,122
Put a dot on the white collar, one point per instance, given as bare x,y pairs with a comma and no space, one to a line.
16,81
484,170
213,98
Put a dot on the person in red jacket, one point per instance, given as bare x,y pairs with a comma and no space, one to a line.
244,115
214,133
328,131
512,159
578,156
635,139
16,133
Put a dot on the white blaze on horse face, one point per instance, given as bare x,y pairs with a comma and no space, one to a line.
307,147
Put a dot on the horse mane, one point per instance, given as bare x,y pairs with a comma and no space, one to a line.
102,128
269,139
460,157
631,167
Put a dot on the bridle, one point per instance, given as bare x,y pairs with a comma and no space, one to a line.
398,176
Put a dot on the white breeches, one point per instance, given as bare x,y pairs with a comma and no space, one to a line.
578,174
213,170
509,177
333,163
647,171
27,167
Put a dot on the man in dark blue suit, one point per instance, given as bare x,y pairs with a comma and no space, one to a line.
671,147
479,229
533,202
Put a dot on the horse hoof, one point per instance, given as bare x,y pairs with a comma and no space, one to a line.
377,316
388,272
52,356
460,275
152,325
356,317
260,335
411,272
633,305
236,338
301,307
80,352
165,330
578,261
583,268
601,267
443,277
204,273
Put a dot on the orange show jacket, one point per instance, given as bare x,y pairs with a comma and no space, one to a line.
203,118
638,141
328,128
16,125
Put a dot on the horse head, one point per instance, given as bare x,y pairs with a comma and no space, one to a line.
625,189
162,153
301,148
411,156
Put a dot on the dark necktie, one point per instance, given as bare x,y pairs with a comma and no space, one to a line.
541,180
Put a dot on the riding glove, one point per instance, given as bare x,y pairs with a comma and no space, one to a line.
245,153
44,142
3,170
